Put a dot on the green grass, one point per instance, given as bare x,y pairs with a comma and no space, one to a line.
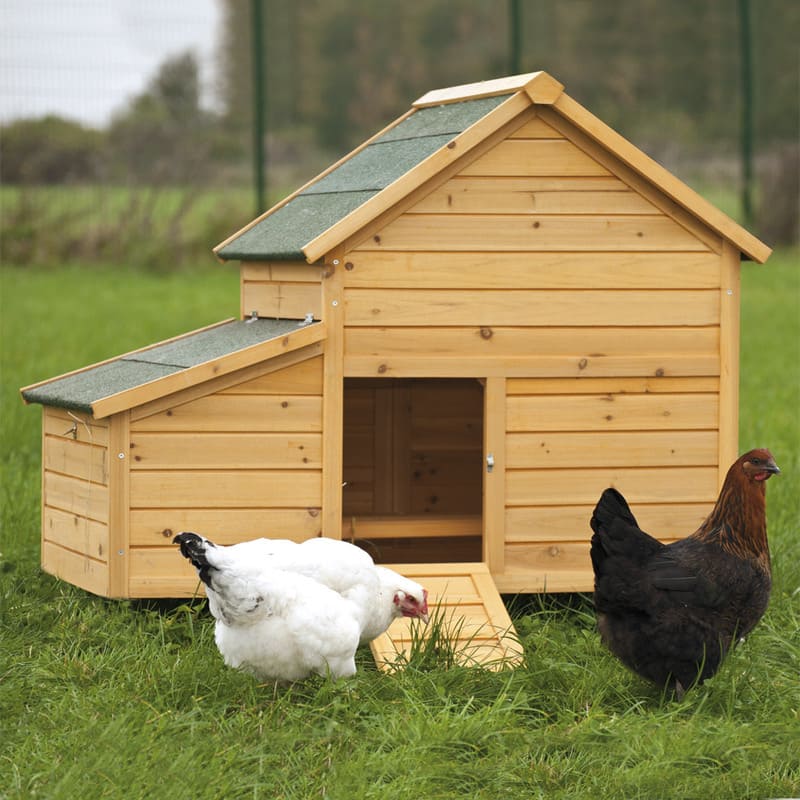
115,699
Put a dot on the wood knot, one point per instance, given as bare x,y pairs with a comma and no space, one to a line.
313,512
537,224
451,145
376,239
166,533
382,368
582,364
349,265
285,404
660,372
486,333
554,551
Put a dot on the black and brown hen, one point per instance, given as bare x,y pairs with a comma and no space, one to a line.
671,612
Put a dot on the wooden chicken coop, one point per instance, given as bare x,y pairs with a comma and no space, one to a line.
451,341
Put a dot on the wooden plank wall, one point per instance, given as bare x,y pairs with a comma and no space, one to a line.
550,264
242,462
281,289
75,499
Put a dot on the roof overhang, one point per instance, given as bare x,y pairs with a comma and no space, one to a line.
150,373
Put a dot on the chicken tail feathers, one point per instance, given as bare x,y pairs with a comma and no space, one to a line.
194,547
611,507
617,533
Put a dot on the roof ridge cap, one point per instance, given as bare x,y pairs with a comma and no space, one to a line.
540,86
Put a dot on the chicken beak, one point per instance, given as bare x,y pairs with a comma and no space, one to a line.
772,467
423,608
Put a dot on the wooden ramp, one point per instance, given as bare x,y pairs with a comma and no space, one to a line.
467,610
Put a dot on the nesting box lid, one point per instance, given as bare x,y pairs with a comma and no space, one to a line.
441,127
169,366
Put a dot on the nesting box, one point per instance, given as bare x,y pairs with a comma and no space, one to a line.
451,341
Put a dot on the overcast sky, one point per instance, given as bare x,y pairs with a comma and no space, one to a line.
83,59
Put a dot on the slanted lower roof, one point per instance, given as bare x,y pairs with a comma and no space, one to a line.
143,375
441,126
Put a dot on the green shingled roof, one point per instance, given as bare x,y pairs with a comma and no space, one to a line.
283,233
81,389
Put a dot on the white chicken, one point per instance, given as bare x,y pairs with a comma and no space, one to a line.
278,625
284,610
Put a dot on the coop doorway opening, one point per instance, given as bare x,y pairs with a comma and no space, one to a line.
413,468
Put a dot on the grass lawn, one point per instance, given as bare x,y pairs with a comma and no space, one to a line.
115,699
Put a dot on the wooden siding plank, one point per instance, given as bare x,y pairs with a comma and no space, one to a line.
243,413
375,308
184,584
89,500
557,449
76,568
84,461
583,486
533,232
153,527
304,377
537,128
76,533
571,523
557,580
516,157
225,489
497,270
281,299
74,426
292,271
160,563
615,385
226,450
547,557
494,196
613,412
510,341
420,366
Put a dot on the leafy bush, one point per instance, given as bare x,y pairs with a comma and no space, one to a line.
50,150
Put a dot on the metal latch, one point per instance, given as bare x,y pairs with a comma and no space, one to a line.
489,462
